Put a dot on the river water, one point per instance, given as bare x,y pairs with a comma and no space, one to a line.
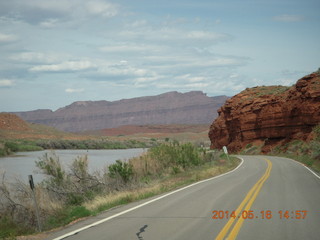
23,163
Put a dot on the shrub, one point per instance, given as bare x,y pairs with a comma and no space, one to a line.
73,187
176,155
121,170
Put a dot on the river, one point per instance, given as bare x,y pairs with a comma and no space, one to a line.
23,164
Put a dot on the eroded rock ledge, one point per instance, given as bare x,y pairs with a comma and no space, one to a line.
269,115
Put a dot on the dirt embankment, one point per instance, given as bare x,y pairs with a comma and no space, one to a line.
12,122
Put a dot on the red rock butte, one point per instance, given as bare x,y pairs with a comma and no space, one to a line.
270,115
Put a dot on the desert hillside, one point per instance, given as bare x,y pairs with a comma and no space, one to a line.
13,127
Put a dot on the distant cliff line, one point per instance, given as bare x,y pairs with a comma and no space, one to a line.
169,108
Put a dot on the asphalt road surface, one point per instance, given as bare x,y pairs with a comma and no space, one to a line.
264,198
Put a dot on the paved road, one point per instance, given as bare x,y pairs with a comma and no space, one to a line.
262,185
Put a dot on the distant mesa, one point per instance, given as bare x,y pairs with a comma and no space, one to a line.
269,115
169,108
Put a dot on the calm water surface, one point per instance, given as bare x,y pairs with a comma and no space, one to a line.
23,163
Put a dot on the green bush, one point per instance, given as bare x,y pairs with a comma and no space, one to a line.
10,147
74,186
122,170
176,155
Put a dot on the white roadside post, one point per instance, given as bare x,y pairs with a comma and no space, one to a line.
225,150
35,201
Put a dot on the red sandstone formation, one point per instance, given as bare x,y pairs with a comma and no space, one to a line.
271,115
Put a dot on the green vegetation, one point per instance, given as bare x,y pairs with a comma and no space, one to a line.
8,147
307,153
272,90
68,194
121,170
92,144
251,149
9,229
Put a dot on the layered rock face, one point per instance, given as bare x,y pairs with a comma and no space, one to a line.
168,108
271,115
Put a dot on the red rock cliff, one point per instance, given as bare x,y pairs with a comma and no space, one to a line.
272,115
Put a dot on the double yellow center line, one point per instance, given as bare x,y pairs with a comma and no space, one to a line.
244,206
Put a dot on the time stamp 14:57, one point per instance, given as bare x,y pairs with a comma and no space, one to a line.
265,214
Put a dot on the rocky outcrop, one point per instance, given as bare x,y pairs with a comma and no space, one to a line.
168,108
271,115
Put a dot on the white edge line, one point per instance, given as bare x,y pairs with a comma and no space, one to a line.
143,204
304,166
311,171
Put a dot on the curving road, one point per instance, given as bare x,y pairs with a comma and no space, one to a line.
253,195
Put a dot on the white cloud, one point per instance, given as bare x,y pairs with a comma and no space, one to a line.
5,38
131,47
49,13
172,34
138,23
49,23
6,82
196,79
101,8
74,90
122,70
288,18
234,75
65,66
197,85
205,35
38,57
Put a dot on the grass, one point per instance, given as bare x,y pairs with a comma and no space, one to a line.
9,229
257,92
67,215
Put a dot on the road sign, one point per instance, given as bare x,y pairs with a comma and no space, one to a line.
225,150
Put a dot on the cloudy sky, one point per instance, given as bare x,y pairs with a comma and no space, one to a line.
56,52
